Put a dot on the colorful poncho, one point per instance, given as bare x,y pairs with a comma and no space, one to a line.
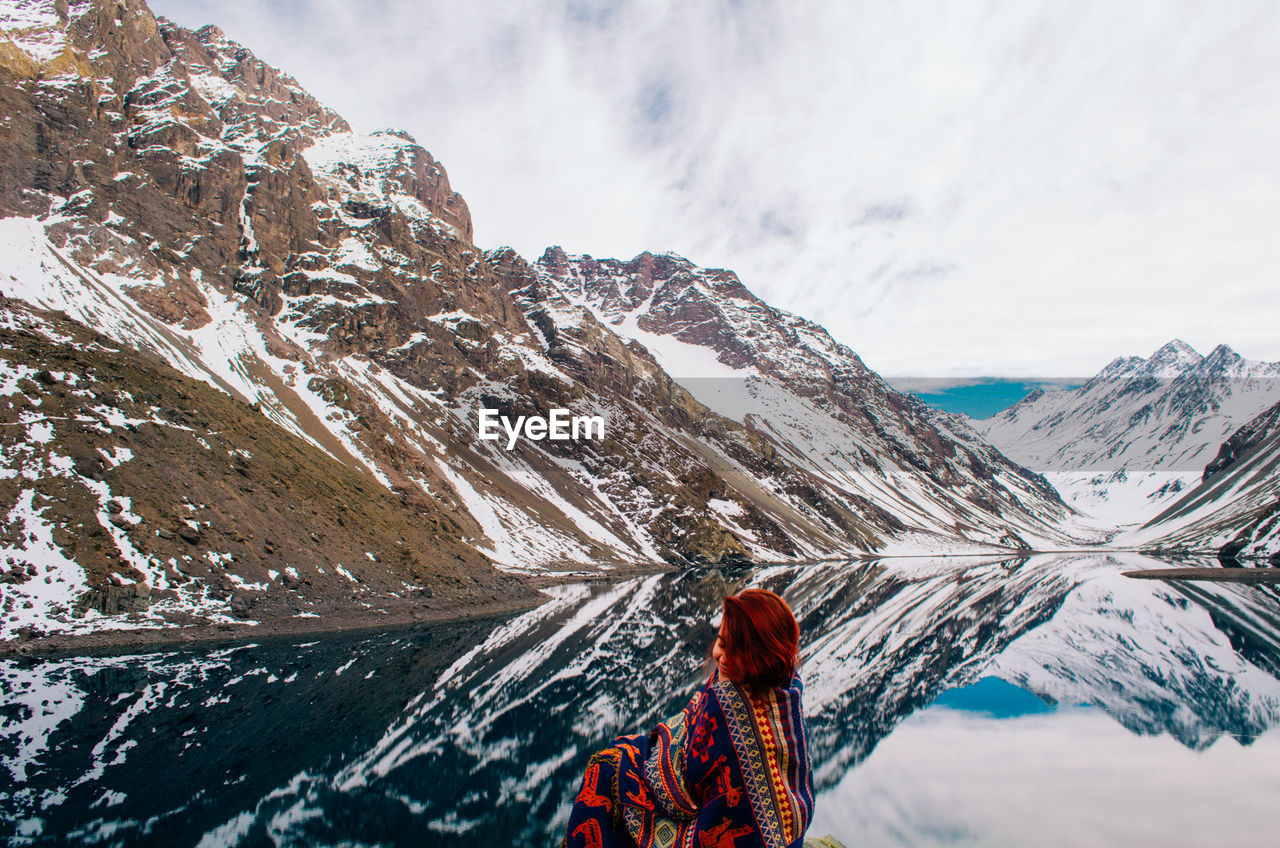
730,771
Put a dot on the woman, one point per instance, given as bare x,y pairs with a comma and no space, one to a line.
731,770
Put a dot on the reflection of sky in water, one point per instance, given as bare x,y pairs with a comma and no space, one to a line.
992,765
994,697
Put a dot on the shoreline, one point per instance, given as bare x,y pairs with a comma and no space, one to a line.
337,620
408,614
148,639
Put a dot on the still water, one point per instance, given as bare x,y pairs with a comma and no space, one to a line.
1046,701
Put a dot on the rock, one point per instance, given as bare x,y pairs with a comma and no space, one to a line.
241,603
164,534
115,507
112,599
47,377
822,842
189,534
89,468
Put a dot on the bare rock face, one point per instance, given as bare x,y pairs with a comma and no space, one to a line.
113,600
1264,427
416,174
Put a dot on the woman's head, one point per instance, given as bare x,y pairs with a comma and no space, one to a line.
759,640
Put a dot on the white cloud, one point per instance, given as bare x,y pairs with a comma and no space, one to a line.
952,189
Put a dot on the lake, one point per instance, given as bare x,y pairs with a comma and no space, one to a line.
1045,700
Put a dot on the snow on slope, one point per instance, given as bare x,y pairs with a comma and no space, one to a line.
35,29
1234,510
229,352
43,585
1116,499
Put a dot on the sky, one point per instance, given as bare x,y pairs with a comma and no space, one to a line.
1016,189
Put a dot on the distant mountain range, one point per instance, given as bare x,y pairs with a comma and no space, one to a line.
1179,446
1170,412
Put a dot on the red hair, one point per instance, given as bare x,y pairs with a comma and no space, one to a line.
760,639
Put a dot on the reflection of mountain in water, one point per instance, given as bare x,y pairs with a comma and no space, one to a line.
1193,659
158,748
886,644
483,746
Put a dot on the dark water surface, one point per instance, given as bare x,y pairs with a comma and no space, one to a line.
1045,701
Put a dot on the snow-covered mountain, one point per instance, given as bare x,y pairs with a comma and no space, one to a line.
166,188
1124,445
815,401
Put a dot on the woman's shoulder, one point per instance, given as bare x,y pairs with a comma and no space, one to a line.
728,688
719,689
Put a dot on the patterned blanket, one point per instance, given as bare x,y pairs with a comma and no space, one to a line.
729,771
